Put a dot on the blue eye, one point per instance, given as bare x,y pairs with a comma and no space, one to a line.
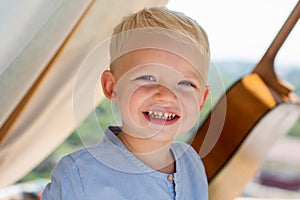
187,83
146,78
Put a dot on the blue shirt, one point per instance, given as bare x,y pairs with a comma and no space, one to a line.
109,171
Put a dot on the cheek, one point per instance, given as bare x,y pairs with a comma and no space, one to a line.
133,100
190,101
190,109
136,98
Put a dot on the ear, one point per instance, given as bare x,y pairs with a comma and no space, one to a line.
205,95
108,85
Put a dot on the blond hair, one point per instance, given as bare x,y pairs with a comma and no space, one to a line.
161,17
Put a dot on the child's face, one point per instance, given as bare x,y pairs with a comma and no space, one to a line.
159,94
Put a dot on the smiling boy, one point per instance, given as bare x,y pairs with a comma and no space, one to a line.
157,76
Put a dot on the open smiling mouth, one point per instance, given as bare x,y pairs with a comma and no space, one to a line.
159,117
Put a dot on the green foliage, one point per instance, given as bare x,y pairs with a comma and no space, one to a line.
295,131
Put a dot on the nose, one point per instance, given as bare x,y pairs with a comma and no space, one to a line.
164,95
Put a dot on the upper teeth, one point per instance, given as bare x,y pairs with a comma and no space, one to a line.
161,115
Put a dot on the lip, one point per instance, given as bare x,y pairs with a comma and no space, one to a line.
161,121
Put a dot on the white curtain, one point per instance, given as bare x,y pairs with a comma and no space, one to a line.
43,44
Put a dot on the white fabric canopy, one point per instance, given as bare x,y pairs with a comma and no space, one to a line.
46,43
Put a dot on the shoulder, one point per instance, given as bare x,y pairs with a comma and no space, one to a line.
84,156
75,157
65,177
70,164
184,149
186,154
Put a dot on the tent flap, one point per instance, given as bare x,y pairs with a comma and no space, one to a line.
45,118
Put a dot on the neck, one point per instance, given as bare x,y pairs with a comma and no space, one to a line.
156,155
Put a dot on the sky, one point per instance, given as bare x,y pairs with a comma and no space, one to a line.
243,29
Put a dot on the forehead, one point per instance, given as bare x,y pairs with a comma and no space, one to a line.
155,58
160,39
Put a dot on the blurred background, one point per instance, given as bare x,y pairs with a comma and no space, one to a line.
239,34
